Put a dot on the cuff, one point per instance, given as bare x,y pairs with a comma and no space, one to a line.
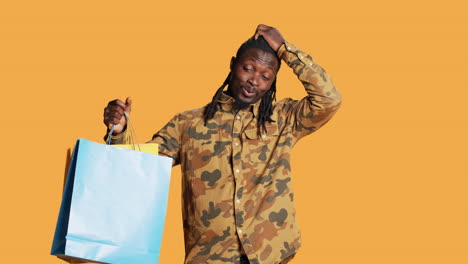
281,50
118,139
290,52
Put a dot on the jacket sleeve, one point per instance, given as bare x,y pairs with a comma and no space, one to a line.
322,100
168,139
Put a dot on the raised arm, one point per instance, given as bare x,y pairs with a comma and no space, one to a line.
322,100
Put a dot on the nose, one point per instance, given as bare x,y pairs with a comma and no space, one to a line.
253,79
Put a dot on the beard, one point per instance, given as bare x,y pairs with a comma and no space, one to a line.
238,103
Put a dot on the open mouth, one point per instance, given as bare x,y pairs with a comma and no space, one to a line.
246,93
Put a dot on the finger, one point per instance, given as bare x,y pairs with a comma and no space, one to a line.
117,102
128,105
257,32
113,118
115,121
115,115
114,108
111,121
265,28
262,30
110,124
111,114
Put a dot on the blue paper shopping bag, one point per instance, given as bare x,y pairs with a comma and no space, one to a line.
113,206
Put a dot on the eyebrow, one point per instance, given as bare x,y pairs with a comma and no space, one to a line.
267,64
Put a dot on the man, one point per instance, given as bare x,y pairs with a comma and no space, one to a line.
234,154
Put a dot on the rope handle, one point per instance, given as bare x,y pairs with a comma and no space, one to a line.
130,135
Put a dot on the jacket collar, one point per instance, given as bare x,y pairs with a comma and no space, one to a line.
227,103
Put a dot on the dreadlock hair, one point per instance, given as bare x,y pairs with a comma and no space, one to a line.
211,108
266,105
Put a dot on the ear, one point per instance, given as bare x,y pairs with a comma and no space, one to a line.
233,60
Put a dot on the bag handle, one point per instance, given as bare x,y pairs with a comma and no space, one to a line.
130,135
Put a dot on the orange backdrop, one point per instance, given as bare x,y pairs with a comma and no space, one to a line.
384,182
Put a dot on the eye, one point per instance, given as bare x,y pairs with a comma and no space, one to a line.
266,78
247,69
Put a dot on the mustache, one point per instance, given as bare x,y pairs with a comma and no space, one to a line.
249,88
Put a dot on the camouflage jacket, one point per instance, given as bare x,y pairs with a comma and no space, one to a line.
237,195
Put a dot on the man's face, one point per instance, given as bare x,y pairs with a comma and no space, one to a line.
252,75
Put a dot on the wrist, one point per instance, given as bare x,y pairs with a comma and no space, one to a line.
281,50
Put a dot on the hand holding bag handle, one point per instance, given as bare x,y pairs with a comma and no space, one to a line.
130,135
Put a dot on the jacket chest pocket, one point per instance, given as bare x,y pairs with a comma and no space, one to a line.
258,147
254,134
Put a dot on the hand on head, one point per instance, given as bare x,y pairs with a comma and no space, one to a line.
272,36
